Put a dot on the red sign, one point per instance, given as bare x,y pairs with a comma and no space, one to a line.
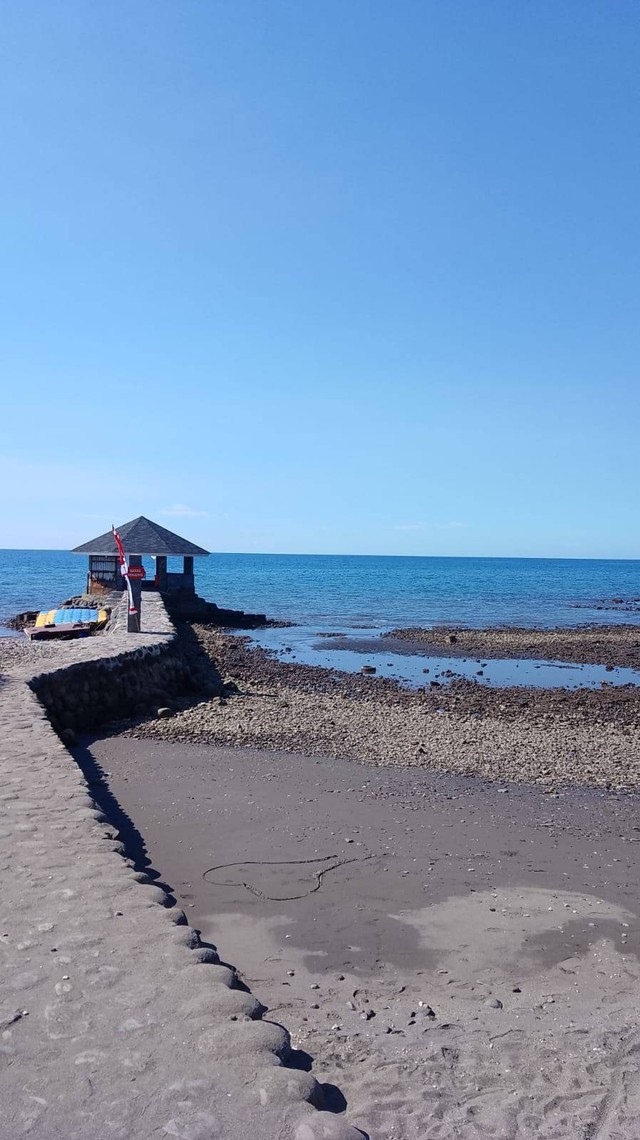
137,572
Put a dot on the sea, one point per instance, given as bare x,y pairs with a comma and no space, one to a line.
359,591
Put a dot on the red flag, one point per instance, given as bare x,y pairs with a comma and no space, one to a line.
124,568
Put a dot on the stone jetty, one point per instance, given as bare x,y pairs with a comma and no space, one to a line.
115,1020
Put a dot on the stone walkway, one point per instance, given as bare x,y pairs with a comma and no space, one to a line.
114,1020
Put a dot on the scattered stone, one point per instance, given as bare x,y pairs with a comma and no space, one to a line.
493,1003
340,714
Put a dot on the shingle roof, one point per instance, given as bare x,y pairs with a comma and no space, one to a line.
142,536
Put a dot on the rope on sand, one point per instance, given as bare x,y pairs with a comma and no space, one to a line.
319,875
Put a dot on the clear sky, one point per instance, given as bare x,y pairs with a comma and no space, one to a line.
322,275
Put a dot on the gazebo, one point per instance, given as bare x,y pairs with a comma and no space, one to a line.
139,537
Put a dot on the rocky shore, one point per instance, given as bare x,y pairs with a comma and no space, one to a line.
550,737
616,645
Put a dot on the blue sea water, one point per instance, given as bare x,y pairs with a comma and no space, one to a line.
343,591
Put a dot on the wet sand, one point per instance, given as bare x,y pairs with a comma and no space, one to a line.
472,950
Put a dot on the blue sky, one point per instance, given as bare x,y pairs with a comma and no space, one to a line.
349,277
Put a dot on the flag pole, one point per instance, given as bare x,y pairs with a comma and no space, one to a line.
133,615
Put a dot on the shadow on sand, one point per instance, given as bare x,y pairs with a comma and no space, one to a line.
333,1099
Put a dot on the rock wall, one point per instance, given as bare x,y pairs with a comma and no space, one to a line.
85,694
184,605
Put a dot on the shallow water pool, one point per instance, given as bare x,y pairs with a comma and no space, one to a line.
312,645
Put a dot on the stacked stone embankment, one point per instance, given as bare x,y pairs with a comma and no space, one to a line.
92,693
114,1017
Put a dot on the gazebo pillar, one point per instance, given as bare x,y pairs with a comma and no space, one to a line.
187,572
161,571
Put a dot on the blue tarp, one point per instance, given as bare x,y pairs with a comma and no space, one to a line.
62,617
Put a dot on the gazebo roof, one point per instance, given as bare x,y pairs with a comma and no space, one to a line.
142,536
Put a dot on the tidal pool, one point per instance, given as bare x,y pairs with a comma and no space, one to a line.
350,650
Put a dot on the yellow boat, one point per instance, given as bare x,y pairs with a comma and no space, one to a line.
96,619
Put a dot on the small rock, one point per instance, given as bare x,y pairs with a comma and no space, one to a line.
368,669
493,1003
367,1014
164,712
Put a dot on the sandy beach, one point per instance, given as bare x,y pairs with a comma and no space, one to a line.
456,958
457,955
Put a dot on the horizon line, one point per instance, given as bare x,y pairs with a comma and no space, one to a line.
327,554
